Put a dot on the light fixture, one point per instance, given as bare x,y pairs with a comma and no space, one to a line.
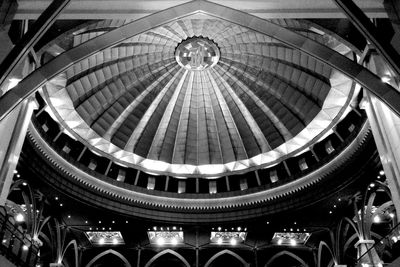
219,241
12,83
115,241
101,241
19,217
385,79
15,171
372,185
18,176
330,212
56,198
69,216
233,242
25,247
391,215
174,241
113,221
61,204
99,221
377,219
160,241
280,242
86,221
293,242
381,172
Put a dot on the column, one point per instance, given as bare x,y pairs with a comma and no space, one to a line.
7,12
12,131
392,8
369,256
385,127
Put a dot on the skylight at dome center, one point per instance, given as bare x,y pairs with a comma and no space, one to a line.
197,53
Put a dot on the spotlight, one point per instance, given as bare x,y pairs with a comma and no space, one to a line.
233,241
377,219
174,241
391,215
19,217
381,173
293,242
385,79
280,242
101,241
25,247
219,241
115,241
160,241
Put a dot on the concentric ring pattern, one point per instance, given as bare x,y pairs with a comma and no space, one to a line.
261,102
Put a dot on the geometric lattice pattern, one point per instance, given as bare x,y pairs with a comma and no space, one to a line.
260,102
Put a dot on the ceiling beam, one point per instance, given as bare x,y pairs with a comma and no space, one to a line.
135,9
358,73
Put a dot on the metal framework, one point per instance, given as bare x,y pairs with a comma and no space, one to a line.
24,46
368,29
361,75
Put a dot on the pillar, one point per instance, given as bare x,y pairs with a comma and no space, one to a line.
385,127
392,8
8,9
12,131
369,257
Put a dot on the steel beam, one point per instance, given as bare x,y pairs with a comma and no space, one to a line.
28,40
386,93
378,38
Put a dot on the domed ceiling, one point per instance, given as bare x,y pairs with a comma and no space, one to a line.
199,97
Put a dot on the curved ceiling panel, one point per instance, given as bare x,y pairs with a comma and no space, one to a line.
199,97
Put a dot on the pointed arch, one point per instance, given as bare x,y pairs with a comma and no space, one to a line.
75,247
289,254
170,251
323,244
226,251
110,251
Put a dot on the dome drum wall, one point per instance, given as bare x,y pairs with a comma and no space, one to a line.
245,104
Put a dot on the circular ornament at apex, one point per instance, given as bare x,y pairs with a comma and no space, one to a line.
197,53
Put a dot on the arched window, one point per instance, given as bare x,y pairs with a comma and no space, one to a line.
286,258
108,258
167,257
226,258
